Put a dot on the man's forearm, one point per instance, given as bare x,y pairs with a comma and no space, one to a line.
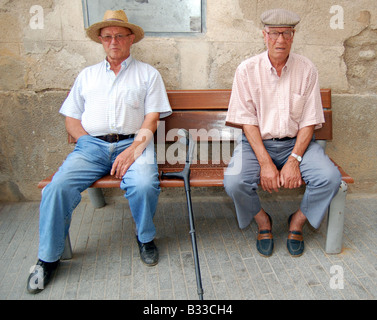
290,175
141,141
304,136
146,132
74,128
253,135
269,175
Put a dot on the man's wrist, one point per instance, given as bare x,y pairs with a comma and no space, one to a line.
297,157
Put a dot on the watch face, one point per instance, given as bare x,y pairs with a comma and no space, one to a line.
298,158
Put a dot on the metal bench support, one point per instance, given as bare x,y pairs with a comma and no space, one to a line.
67,253
335,221
96,197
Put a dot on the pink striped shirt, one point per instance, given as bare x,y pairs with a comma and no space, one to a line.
279,106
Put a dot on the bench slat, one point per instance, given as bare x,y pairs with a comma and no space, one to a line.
213,123
216,99
199,99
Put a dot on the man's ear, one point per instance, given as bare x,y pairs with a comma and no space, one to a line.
132,38
264,36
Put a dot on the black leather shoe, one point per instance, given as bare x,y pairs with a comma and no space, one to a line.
148,253
40,276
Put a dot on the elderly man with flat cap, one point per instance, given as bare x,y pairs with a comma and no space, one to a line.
276,99
112,111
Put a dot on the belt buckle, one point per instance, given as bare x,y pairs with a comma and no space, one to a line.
114,136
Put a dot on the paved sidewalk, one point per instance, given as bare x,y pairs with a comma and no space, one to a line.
106,263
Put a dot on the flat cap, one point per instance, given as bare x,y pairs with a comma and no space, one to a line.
279,18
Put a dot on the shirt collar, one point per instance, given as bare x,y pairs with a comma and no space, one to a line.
124,63
289,61
270,67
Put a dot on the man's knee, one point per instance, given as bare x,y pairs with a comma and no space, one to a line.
235,184
56,187
148,184
329,177
66,185
230,184
334,178
144,183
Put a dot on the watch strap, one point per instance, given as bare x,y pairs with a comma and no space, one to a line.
297,157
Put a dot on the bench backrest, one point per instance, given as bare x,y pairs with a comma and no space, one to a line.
205,110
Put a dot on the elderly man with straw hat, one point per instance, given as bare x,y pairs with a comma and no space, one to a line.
112,111
276,99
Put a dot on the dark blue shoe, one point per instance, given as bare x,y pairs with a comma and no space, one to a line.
295,241
265,241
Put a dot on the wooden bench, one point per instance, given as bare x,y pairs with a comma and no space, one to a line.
202,113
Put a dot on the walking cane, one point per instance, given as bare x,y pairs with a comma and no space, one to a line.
185,175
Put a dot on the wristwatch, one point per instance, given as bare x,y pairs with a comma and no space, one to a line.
298,158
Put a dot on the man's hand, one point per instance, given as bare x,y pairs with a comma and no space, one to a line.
123,161
269,178
290,175
269,174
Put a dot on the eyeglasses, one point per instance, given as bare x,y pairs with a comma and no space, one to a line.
274,35
118,37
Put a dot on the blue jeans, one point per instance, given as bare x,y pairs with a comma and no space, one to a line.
321,176
91,159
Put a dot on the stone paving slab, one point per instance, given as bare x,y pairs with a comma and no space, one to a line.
106,263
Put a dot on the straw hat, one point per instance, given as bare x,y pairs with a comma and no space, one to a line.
280,18
114,19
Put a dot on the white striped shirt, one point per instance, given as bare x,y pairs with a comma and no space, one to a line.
279,106
106,103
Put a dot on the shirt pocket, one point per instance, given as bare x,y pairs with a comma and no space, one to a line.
296,107
133,97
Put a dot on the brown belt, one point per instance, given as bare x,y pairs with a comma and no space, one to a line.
114,137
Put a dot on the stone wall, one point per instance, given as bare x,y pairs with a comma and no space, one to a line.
38,67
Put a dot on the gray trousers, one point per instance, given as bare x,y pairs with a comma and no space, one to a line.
241,179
